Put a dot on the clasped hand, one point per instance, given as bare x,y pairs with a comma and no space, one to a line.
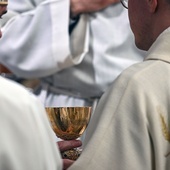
66,145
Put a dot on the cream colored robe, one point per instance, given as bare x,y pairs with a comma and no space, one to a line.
27,141
130,129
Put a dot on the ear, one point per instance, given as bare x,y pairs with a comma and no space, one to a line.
152,5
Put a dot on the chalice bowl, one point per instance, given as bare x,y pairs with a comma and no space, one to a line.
69,123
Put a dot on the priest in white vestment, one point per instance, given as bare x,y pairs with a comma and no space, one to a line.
130,129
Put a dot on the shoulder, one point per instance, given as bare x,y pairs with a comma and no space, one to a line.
26,129
133,80
16,98
14,92
138,74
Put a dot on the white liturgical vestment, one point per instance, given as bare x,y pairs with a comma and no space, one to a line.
130,129
74,69
27,141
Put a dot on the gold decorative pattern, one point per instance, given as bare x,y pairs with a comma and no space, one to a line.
165,130
72,154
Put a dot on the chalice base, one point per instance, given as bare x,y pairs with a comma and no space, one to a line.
72,154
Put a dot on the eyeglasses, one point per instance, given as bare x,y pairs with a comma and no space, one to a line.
124,3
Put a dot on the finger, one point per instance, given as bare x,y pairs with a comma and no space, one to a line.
66,145
67,163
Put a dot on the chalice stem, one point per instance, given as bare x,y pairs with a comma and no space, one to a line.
72,154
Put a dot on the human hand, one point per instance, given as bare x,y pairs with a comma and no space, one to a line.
4,69
66,145
87,6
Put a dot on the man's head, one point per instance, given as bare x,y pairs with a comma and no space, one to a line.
3,9
148,19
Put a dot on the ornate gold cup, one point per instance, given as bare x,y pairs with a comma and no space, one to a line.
69,123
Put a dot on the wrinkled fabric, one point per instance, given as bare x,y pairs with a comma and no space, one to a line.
27,140
131,124
74,69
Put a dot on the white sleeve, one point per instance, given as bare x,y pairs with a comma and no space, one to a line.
36,40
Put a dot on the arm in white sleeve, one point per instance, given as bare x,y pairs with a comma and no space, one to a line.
36,40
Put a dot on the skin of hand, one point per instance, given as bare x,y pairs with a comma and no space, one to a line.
3,69
88,6
3,10
66,145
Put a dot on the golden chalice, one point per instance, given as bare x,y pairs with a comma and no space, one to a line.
69,123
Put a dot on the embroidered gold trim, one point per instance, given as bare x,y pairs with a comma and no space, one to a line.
165,130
